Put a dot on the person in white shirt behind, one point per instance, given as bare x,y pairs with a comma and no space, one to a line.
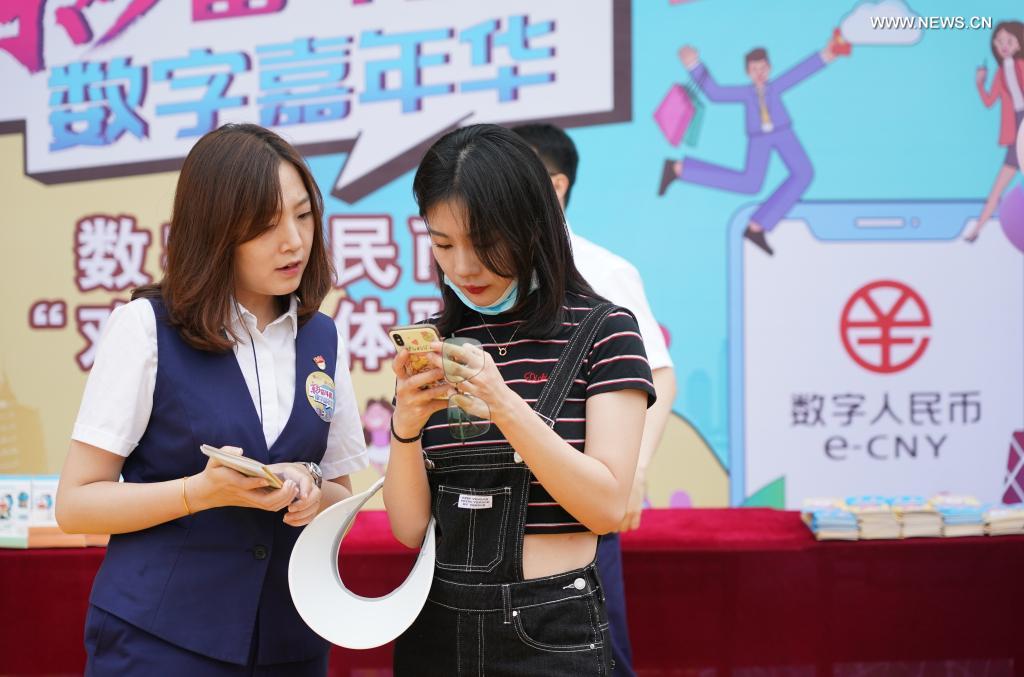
618,280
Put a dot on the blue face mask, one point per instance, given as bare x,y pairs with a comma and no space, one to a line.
505,302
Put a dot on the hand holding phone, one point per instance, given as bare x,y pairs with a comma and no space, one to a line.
243,464
416,339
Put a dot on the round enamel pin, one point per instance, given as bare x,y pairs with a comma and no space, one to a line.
320,393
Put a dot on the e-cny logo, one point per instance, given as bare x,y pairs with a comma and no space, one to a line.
885,326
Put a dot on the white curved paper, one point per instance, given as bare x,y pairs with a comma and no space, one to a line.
333,611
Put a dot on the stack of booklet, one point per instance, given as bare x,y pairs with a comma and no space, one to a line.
875,517
917,517
28,515
880,517
1004,520
829,520
961,515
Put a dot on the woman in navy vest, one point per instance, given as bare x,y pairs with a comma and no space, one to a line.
230,350
559,387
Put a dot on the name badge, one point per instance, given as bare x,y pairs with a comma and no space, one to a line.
320,394
472,502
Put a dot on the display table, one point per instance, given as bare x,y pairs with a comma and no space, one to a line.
718,589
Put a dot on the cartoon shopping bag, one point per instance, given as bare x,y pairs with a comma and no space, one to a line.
1013,484
693,131
676,114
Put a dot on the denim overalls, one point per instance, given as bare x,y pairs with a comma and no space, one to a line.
482,617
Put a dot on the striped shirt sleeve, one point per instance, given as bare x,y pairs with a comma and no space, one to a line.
617,360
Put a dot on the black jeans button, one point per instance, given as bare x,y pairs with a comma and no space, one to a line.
260,552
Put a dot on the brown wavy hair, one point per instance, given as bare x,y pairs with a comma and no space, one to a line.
1014,28
228,193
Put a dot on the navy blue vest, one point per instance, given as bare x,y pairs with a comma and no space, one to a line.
200,582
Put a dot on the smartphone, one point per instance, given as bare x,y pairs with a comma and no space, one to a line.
243,464
416,338
875,352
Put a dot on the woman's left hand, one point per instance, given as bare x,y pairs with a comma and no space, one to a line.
476,378
307,504
635,504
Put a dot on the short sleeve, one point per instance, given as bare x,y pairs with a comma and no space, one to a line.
346,444
118,397
630,294
617,360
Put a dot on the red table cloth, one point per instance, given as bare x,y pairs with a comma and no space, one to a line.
709,592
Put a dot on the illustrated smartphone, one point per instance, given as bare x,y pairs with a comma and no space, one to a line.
243,464
875,352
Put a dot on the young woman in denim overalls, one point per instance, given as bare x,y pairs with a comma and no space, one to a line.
564,385
222,352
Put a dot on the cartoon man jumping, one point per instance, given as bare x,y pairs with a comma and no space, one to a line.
768,127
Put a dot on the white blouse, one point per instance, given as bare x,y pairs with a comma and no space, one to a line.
118,396
618,280
1012,84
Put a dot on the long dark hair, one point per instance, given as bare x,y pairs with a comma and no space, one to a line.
515,223
1014,28
228,193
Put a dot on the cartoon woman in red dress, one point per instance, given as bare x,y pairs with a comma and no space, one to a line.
1008,87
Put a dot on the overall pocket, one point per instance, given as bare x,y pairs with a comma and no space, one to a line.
473,524
568,625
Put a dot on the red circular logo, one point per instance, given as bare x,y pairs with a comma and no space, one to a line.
884,326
